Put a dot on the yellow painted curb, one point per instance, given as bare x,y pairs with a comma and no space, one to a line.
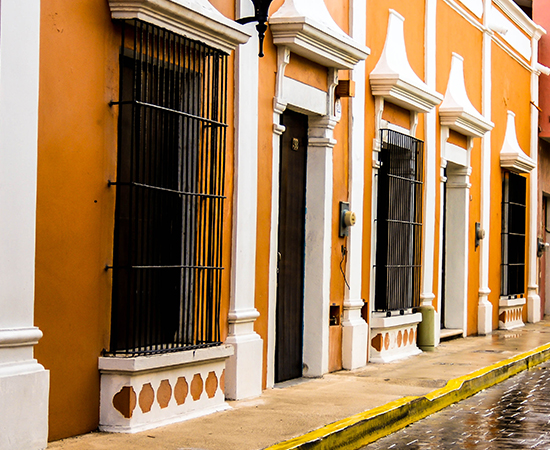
366,427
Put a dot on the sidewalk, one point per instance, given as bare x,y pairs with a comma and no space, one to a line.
364,404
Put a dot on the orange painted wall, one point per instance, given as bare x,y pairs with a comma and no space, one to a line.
75,208
414,37
468,44
510,91
315,75
76,157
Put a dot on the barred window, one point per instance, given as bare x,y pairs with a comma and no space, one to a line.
513,234
399,222
167,265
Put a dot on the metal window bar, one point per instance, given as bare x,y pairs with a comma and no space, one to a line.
399,222
514,211
167,266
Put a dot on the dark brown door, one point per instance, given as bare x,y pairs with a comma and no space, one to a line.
290,280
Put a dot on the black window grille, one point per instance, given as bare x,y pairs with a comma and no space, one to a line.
399,222
513,234
167,265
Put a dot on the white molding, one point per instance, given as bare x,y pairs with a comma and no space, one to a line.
466,14
319,185
147,392
307,29
456,111
457,245
427,295
512,52
505,301
513,35
304,97
485,307
396,337
279,105
355,331
512,157
393,77
195,19
475,6
109,364
533,297
519,18
24,383
455,154
380,320
244,368
19,337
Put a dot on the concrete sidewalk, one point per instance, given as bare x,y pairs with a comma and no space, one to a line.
360,405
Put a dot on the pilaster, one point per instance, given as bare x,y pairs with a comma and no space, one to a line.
244,367
24,384
355,333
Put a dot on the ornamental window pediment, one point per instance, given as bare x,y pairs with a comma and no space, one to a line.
456,111
512,157
307,29
394,79
194,19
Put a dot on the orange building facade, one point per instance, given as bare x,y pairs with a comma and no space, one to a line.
209,223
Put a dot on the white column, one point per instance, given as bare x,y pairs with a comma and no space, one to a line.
533,298
430,181
318,245
355,333
485,308
24,384
244,368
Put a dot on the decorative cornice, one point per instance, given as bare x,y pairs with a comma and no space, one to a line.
456,111
307,29
516,15
393,77
194,19
512,157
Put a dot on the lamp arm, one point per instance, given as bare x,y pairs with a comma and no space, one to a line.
246,20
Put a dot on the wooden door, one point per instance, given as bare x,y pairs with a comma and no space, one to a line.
290,279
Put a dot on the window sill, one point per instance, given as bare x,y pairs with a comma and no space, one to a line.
146,392
395,321
163,361
505,301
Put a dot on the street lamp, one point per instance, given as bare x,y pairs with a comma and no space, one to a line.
261,8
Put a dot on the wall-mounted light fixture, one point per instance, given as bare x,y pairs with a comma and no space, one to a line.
261,8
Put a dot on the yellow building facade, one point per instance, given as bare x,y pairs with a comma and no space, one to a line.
210,223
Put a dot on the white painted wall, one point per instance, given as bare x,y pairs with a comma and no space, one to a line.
24,383
244,367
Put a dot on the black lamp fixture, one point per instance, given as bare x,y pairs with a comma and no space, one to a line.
261,8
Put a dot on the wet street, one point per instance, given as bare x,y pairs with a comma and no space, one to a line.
514,414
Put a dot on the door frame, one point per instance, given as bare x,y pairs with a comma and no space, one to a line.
455,210
322,110
291,258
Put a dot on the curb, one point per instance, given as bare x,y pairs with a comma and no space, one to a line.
366,427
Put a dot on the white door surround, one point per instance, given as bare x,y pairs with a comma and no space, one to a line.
320,108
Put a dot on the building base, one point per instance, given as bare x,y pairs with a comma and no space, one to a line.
355,336
244,367
394,337
510,313
150,391
24,391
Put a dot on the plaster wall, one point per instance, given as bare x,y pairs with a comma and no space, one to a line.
510,87
468,44
75,207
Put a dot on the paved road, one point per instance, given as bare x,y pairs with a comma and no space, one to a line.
514,414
